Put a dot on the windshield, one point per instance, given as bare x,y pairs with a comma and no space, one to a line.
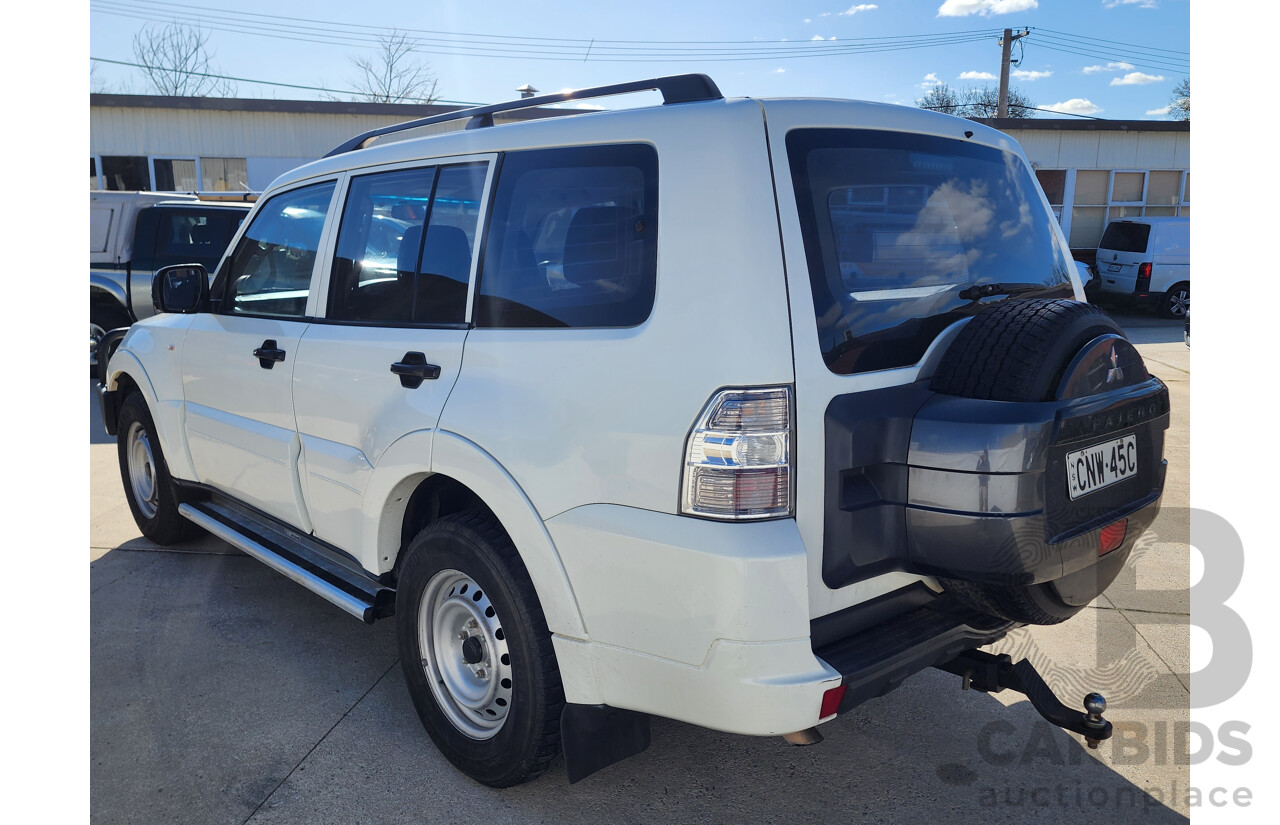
898,227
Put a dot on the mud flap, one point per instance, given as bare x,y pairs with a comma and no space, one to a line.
593,737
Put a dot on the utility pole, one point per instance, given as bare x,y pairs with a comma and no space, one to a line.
1006,47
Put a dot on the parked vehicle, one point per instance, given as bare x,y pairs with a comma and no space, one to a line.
1148,261
681,411
132,234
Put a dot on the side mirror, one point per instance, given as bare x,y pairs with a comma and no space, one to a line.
180,288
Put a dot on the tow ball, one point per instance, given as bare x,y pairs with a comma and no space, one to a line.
992,673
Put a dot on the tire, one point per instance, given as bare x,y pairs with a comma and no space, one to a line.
148,487
491,703
102,319
1017,350
1176,303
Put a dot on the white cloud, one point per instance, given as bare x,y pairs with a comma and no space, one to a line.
1110,67
1142,4
1075,106
930,80
1021,74
977,76
817,37
1163,110
806,20
779,71
986,8
852,10
1136,79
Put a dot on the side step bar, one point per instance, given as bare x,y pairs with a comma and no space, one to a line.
305,560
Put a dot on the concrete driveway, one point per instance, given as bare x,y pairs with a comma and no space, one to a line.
223,693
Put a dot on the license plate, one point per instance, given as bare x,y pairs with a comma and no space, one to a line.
1114,267
1101,465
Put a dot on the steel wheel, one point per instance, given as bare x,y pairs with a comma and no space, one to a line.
465,654
142,470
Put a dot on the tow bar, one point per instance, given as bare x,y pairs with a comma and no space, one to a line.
991,673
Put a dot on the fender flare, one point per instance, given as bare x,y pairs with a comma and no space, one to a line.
402,467
169,417
110,287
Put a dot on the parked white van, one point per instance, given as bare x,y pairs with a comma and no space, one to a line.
1148,260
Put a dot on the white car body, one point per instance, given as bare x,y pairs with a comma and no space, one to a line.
574,438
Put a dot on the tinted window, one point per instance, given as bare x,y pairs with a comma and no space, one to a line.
384,270
189,237
270,271
125,173
1126,237
898,227
573,239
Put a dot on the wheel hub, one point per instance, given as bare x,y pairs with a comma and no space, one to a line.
465,654
142,478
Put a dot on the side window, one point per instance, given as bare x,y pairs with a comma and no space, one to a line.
384,270
192,237
270,271
572,240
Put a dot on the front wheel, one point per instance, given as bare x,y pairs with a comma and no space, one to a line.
1176,303
477,652
148,487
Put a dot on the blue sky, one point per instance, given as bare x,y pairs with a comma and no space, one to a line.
1117,59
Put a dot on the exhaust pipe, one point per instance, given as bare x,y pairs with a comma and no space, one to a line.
808,736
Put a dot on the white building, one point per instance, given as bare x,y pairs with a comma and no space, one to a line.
1091,170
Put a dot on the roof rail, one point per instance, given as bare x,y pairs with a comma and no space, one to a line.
678,88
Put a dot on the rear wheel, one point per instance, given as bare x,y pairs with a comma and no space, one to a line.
477,652
148,487
1017,350
103,319
1176,303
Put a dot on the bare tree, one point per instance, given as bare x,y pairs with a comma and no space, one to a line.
1180,100
979,102
176,62
394,74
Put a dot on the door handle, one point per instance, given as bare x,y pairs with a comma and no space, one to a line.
268,354
413,369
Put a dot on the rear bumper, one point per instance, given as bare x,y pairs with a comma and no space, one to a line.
708,623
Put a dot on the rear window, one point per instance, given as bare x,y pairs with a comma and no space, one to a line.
1123,236
898,228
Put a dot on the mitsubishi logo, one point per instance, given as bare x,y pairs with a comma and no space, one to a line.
1116,373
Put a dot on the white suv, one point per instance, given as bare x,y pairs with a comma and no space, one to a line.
737,412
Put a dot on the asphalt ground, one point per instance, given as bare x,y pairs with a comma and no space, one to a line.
223,693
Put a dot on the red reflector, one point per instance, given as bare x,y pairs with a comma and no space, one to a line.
831,702
1112,536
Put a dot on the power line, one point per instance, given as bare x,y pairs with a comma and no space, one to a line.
1070,36
494,46
268,82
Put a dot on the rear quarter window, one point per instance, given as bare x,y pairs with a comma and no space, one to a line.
572,240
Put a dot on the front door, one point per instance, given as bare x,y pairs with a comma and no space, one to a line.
238,361
380,363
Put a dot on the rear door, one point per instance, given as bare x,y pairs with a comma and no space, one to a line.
1171,261
886,231
379,362
238,360
1124,246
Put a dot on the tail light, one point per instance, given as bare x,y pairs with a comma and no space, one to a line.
738,457
1143,285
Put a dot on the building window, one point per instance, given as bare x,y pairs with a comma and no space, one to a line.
125,173
1054,184
224,175
93,173
175,174
1089,212
1126,187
